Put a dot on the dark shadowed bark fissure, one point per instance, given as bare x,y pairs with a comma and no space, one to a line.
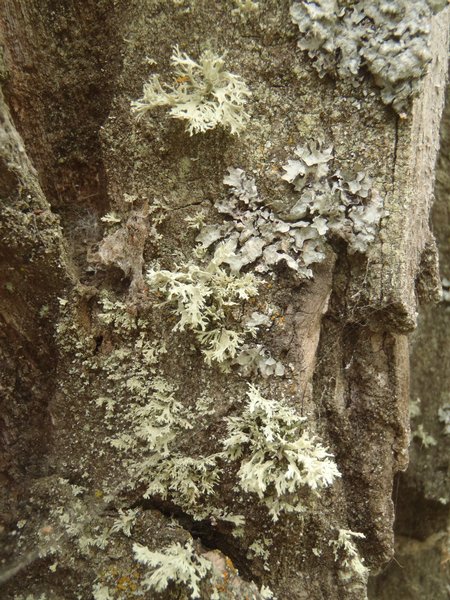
59,87
58,83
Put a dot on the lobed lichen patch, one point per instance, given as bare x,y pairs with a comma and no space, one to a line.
330,203
388,38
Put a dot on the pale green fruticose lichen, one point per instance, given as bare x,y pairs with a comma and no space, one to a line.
266,593
146,420
74,528
246,6
418,431
155,426
259,548
347,554
389,38
176,563
444,417
414,408
125,521
426,438
204,94
31,597
149,423
445,290
202,297
208,572
102,592
278,457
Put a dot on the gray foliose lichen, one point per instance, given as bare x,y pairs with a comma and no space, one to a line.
390,38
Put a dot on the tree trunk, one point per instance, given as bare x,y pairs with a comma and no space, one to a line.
117,420
422,493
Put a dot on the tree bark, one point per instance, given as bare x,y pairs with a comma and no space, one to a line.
71,153
420,567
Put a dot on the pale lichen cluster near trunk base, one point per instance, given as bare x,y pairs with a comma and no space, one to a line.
149,429
207,303
266,444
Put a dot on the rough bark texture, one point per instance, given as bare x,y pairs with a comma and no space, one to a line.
422,494
71,151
